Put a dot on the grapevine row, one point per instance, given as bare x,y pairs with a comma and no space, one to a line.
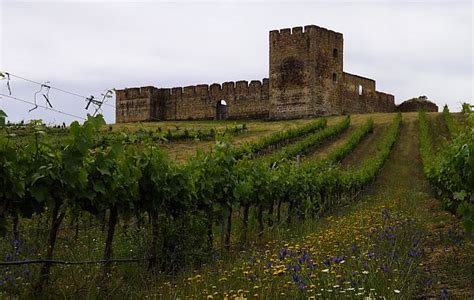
278,139
309,143
342,151
121,180
450,122
133,137
451,172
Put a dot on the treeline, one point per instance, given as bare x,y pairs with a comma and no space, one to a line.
450,172
121,180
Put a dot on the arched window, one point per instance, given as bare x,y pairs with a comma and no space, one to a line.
360,90
334,53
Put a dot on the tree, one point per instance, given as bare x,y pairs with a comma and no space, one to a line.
3,117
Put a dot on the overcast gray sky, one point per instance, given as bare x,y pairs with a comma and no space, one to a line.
411,48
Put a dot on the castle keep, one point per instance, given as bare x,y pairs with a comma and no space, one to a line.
306,79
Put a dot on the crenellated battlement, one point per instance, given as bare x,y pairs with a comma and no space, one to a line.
245,99
305,42
308,30
135,104
136,93
229,87
306,79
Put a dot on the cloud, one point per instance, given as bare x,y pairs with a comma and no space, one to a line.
410,48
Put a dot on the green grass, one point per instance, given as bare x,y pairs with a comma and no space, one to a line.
330,145
438,131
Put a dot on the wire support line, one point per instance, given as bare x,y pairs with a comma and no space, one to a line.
57,89
43,106
65,262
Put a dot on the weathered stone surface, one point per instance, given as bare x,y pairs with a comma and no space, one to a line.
135,104
306,79
305,72
416,104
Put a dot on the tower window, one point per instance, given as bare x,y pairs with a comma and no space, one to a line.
360,89
334,77
334,53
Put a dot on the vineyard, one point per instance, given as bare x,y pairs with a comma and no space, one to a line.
376,205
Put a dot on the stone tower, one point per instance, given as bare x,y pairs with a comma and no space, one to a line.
306,72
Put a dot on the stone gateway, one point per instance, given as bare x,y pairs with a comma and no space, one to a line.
306,79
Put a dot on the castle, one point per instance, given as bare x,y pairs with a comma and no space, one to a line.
306,79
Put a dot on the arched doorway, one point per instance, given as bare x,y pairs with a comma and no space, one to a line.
221,110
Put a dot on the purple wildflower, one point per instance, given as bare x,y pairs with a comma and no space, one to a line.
365,265
306,255
428,282
354,248
283,253
327,262
385,268
444,293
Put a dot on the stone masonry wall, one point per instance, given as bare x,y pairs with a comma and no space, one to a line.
244,101
358,91
384,102
360,96
135,104
305,72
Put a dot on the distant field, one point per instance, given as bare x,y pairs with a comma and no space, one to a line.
180,150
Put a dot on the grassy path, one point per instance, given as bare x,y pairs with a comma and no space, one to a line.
366,148
448,261
333,143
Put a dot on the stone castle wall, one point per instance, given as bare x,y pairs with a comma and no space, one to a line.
306,79
305,72
244,101
360,96
135,104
